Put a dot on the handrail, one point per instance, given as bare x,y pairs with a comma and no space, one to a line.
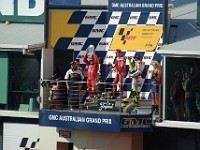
57,97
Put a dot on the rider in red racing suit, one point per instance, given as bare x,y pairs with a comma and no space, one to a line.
93,66
120,66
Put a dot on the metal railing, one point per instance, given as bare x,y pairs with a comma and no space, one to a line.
58,97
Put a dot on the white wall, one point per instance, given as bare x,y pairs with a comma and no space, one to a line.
46,72
101,140
48,139
14,133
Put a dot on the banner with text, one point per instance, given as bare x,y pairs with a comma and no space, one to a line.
136,5
136,37
94,121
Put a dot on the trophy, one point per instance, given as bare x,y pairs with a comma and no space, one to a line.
90,51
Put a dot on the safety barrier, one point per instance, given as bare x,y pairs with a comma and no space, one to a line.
102,99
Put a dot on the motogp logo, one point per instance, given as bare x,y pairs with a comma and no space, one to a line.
126,35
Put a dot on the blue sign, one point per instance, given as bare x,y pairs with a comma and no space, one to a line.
136,5
198,2
64,2
94,121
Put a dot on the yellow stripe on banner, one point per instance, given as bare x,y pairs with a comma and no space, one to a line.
131,37
58,26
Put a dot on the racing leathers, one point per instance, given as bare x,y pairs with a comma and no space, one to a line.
120,66
135,71
92,74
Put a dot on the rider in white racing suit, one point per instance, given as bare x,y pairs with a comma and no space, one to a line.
135,70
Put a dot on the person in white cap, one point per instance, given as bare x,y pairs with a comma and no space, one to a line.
73,76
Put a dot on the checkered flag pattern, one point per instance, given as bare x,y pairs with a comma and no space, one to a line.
28,144
99,28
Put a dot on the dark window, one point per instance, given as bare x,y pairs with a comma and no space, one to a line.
182,89
24,76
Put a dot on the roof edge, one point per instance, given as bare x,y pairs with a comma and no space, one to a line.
193,53
25,46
